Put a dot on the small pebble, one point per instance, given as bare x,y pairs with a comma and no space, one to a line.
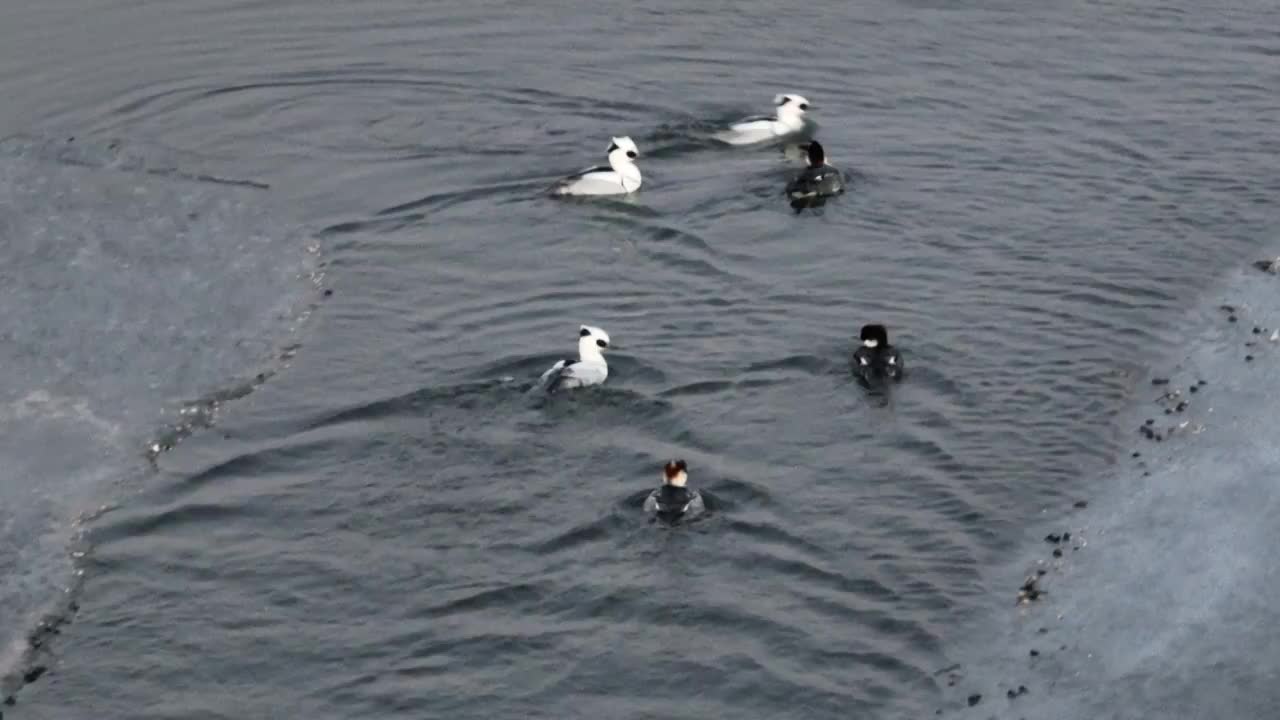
1066,537
1203,382
1012,694
1168,411
1231,318
33,674
1035,653
1248,358
1182,406
1257,330
1022,690
1057,552
1042,572
328,292
974,699
1151,421
1082,503
1137,454
1043,631
1193,388
1052,538
1159,381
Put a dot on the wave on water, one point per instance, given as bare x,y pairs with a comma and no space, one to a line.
129,285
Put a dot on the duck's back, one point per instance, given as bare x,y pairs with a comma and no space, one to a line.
601,180
671,500
817,182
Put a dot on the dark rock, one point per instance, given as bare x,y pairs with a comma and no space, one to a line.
1057,552
1082,503
1066,537
1248,358
1052,538
1228,308
1042,572
1203,382
1151,421
1257,330
1232,318
1159,381
1043,631
1182,406
1168,411
1022,690
1137,454
1035,653
1029,592
1012,694
33,674
1194,388
328,292
974,699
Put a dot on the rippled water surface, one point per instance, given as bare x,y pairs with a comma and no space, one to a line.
369,517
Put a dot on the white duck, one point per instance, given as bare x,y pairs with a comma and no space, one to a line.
788,120
622,176
590,367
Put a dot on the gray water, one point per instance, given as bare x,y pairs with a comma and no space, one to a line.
352,512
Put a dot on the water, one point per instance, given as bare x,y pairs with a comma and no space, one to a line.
380,526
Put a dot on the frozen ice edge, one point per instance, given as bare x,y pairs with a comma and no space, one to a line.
1168,608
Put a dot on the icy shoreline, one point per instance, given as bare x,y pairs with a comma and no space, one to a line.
1158,602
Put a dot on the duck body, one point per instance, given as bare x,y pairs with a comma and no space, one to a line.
876,359
589,369
674,499
787,120
817,182
620,177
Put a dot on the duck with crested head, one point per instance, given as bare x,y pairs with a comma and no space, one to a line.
620,177
589,369
674,499
788,119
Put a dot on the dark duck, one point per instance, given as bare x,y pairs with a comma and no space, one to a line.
817,182
674,499
876,358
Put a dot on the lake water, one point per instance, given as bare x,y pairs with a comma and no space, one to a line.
274,276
